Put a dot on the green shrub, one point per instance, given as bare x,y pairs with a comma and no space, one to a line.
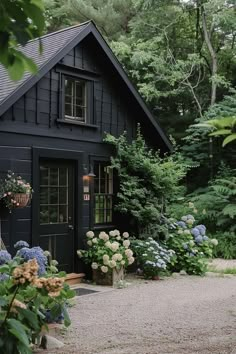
226,247
191,245
151,257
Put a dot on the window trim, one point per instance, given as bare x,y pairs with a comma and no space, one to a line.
73,100
90,117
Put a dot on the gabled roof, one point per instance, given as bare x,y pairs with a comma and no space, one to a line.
55,46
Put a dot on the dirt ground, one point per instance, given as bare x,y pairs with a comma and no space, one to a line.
182,315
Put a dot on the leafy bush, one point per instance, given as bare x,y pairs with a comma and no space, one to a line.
25,298
107,251
151,257
147,180
226,247
191,246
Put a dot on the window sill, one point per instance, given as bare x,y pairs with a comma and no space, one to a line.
104,227
72,122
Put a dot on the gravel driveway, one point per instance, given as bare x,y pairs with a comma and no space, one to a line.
175,316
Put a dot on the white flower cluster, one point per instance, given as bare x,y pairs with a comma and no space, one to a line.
107,250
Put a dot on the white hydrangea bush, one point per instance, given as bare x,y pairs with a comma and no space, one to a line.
107,250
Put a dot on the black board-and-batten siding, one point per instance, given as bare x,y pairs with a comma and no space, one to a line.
34,127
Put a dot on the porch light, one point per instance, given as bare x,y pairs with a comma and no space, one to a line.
90,173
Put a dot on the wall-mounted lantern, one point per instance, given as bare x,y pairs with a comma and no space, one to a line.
87,178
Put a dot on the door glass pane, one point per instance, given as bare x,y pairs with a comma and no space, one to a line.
54,197
44,175
44,195
53,173
53,214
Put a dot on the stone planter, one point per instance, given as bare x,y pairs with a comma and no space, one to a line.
109,278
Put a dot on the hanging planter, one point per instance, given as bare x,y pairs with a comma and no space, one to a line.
22,199
15,192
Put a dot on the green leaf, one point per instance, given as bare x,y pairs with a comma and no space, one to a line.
229,139
16,70
22,349
18,330
221,132
3,301
30,317
67,321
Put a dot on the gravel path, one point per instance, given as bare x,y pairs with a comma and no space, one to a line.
186,315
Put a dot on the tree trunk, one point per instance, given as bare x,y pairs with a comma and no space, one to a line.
212,54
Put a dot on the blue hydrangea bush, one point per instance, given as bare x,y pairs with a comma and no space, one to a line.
152,258
191,245
32,293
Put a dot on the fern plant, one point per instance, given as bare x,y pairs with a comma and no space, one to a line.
218,201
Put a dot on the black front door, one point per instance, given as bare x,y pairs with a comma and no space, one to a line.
56,211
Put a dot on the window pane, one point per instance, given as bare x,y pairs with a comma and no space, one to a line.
53,214
80,86
53,181
63,213
63,176
44,195
44,175
53,195
68,110
68,86
44,215
63,195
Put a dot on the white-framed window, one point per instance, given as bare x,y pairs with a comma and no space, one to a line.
75,99
103,193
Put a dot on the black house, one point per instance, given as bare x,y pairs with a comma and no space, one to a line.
51,133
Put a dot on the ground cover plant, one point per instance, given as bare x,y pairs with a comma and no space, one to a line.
30,287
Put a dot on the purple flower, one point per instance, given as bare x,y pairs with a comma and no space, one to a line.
202,229
3,277
198,239
205,238
195,232
20,244
4,257
181,224
37,253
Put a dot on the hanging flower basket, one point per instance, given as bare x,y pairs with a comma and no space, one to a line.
15,192
22,199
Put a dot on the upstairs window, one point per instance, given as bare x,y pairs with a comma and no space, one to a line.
75,100
103,193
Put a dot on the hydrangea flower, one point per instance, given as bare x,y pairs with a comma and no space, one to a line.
3,277
202,229
205,238
20,244
4,257
38,254
181,224
195,232
198,239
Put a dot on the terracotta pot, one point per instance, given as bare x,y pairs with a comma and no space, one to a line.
22,199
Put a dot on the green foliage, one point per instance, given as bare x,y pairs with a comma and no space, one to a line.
192,247
226,247
218,201
151,257
25,299
21,20
107,251
147,180
222,126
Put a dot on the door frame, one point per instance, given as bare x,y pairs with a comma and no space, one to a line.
75,157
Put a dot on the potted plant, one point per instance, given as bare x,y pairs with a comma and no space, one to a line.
15,192
108,255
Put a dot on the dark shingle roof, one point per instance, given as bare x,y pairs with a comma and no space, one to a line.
55,46
52,44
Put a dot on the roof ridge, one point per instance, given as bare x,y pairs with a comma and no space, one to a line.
59,31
